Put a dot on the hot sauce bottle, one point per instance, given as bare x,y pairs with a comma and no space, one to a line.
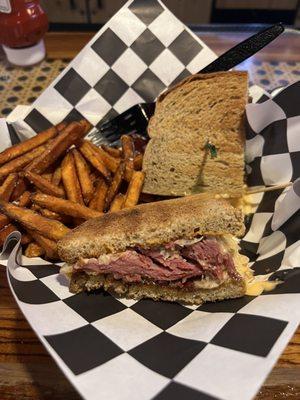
23,24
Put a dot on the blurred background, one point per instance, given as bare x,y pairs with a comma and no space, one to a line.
90,14
220,23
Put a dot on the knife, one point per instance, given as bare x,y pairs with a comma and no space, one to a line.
244,50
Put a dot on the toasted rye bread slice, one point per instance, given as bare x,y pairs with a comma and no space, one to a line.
202,108
150,225
228,290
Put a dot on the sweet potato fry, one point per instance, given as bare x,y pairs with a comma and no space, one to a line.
137,165
56,177
61,126
4,220
114,186
43,184
24,199
8,186
71,134
128,154
70,179
49,246
83,173
17,164
31,220
86,125
35,207
113,151
94,176
117,203
98,199
134,189
53,215
19,189
26,238
109,161
127,147
34,250
27,145
4,232
89,154
138,162
47,176
66,207
128,173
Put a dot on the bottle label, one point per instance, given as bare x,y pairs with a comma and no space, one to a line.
5,6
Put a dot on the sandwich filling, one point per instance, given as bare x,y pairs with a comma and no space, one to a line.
205,262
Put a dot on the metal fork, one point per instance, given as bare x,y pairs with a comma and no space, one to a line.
136,118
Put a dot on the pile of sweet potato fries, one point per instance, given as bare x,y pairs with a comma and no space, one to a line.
56,180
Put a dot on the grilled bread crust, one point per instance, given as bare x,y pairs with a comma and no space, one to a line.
151,224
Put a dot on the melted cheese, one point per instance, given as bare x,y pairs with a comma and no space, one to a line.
256,287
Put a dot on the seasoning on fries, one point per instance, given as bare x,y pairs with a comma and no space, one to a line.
44,185
51,214
24,199
19,189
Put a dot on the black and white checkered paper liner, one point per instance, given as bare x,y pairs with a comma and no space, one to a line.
140,52
123,349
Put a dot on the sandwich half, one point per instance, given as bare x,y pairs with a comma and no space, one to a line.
197,137
180,250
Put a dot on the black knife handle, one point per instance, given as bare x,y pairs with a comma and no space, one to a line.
244,50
